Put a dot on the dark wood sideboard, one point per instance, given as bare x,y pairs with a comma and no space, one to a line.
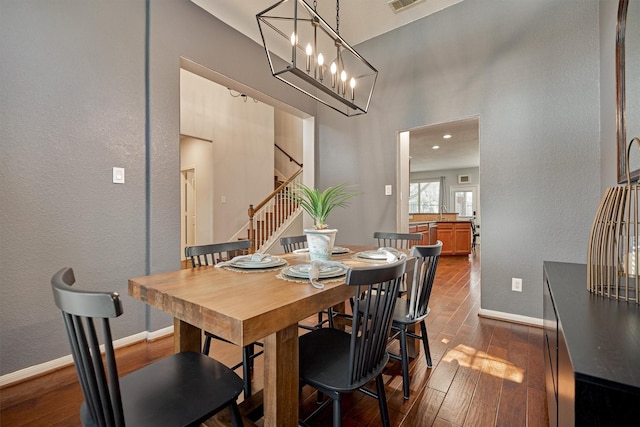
591,352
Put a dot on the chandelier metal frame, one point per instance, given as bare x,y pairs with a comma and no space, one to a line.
303,36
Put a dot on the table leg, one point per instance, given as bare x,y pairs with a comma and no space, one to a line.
186,337
281,378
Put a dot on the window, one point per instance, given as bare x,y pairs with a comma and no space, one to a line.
424,197
465,201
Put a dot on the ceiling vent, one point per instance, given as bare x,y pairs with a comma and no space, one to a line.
400,5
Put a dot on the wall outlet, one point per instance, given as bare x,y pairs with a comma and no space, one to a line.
516,284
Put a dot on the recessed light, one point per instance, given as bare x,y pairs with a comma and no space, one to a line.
435,147
447,136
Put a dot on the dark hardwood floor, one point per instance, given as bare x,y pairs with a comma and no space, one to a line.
485,372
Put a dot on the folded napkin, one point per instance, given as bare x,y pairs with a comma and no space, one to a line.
314,271
257,257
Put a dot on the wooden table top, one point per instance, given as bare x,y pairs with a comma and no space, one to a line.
241,307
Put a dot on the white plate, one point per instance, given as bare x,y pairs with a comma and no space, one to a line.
302,271
375,254
266,262
335,251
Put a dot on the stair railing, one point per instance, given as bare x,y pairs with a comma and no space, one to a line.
267,216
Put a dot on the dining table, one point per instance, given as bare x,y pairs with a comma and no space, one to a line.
243,306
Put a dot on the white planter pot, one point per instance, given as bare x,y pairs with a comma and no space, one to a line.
320,243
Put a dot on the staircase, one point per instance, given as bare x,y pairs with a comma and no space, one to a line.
276,212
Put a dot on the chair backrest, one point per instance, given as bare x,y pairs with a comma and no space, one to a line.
474,227
427,258
376,290
397,240
80,310
291,243
216,252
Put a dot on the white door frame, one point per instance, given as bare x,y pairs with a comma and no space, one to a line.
185,190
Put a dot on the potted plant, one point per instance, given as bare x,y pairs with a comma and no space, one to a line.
318,205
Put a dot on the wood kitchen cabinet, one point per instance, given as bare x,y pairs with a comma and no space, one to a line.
428,231
455,237
591,346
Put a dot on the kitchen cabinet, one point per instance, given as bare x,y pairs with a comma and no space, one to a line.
455,237
428,231
591,347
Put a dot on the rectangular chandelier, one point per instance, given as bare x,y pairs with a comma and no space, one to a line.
305,52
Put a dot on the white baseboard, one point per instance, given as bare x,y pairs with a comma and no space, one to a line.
509,317
63,361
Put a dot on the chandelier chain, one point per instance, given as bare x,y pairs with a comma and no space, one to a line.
338,16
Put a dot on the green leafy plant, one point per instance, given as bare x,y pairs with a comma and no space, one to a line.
319,205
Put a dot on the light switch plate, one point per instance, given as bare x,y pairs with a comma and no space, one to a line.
388,190
118,175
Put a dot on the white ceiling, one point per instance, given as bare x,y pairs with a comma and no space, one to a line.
460,151
361,20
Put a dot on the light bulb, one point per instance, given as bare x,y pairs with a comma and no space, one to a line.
309,52
343,77
352,83
293,39
334,69
320,59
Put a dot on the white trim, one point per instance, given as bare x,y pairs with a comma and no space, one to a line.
509,317
63,361
159,333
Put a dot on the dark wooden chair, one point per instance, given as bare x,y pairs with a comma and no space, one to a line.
474,234
184,389
397,240
216,252
211,255
290,244
336,362
414,308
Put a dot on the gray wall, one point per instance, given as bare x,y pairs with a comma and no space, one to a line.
72,84
529,70
73,106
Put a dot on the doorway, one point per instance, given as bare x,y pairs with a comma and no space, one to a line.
443,153
464,200
240,127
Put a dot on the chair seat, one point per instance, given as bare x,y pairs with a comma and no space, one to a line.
170,392
324,360
401,312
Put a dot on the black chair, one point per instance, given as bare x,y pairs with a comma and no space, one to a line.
290,244
336,362
214,253
415,308
397,240
474,233
211,255
184,389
